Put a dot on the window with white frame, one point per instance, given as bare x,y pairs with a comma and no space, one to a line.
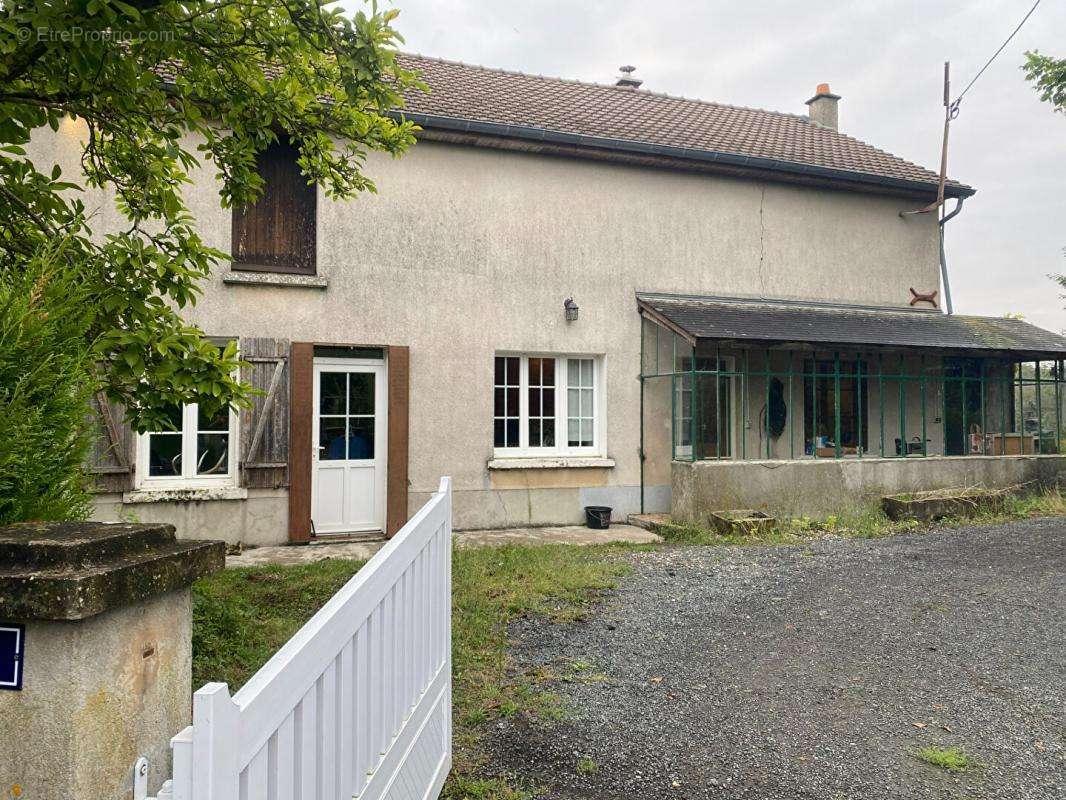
547,405
200,450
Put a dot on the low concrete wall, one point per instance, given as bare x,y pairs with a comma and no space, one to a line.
819,488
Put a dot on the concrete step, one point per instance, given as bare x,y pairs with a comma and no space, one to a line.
650,522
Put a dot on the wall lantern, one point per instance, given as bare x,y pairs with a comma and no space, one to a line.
570,307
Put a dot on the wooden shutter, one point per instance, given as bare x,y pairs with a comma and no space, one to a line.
265,425
111,458
301,399
399,369
277,233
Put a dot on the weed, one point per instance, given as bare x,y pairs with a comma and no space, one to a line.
688,534
953,759
586,766
868,524
492,587
472,788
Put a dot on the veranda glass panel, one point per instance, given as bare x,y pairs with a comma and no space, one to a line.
962,413
713,406
822,403
682,426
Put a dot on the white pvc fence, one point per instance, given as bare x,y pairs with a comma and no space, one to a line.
356,704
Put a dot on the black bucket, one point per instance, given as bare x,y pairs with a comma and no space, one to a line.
598,517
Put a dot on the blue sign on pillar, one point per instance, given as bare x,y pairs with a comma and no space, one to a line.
12,648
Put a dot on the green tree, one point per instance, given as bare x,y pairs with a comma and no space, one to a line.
46,380
1048,75
159,87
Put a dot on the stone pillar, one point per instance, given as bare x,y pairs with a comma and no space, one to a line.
107,670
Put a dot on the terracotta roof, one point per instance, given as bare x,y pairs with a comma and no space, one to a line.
612,117
740,320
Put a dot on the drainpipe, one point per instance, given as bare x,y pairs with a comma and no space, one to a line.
640,451
943,257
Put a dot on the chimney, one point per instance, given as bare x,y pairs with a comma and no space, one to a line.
626,79
823,107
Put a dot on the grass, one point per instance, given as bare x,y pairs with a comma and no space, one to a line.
242,616
953,759
868,524
586,766
492,587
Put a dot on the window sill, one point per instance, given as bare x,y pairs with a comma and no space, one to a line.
552,462
174,495
241,277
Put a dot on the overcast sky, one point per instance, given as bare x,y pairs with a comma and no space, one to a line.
885,57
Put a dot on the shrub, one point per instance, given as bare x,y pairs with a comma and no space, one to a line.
46,382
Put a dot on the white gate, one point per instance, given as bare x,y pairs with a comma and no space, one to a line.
356,704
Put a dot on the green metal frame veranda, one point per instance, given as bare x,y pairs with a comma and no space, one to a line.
1040,380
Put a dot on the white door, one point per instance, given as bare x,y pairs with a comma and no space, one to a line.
348,446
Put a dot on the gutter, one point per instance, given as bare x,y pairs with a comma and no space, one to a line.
527,133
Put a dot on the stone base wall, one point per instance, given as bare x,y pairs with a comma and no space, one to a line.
820,488
262,518
258,518
541,506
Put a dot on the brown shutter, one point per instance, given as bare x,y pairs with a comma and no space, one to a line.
265,425
277,232
399,368
111,458
301,378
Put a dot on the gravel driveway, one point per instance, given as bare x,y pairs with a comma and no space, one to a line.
811,671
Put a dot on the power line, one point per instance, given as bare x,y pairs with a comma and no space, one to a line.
955,105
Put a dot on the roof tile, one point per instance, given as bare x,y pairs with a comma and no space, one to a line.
466,92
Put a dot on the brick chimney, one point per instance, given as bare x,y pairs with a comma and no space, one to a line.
823,107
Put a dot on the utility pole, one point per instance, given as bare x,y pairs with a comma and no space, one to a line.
951,110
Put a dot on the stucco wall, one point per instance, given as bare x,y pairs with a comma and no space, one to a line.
97,694
825,487
466,251
260,518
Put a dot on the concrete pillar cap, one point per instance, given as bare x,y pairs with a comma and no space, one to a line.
74,570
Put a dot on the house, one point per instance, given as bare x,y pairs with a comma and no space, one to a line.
573,294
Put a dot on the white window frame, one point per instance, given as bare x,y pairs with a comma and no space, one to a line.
599,421
189,479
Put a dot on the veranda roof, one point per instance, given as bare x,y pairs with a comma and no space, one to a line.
774,322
